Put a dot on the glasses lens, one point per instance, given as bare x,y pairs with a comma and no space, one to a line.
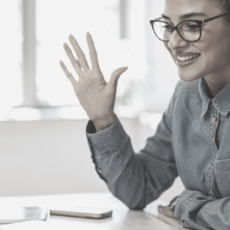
190,30
162,30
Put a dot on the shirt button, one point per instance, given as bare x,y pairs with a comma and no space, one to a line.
213,106
216,154
99,170
214,119
211,192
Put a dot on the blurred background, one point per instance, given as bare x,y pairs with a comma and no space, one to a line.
43,146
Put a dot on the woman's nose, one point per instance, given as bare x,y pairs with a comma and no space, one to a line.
176,41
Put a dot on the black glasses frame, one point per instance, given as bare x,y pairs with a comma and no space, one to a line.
199,22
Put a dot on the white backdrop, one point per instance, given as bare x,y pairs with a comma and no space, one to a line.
52,157
47,157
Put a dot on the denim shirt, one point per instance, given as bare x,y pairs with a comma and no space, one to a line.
191,141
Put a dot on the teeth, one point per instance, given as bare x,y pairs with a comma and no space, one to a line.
186,58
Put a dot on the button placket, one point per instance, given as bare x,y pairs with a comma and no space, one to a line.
211,192
214,119
211,138
213,128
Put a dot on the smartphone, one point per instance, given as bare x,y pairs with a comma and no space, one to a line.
78,212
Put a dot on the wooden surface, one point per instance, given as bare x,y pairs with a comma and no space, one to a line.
122,218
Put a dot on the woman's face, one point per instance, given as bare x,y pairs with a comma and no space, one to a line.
213,48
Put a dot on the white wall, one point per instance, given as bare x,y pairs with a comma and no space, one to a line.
47,157
50,157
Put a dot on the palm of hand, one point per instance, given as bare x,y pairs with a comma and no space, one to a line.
96,96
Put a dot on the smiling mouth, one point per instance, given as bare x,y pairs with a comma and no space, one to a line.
187,58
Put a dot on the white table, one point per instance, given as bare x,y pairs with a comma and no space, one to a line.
122,218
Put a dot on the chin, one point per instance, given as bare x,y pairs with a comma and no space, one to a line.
188,76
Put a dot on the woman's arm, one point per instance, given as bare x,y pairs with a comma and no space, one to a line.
200,212
135,179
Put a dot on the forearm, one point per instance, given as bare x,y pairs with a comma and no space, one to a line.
136,179
115,160
197,211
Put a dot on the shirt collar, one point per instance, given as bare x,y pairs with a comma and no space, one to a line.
221,101
204,95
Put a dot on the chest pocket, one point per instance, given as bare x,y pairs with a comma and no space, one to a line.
222,170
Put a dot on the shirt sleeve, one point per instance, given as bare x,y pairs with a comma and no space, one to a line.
200,212
135,178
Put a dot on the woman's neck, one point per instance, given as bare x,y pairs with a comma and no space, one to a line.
216,82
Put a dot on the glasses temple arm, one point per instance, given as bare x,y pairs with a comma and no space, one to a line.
210,19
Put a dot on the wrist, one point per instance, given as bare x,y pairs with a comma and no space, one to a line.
104,123
172,204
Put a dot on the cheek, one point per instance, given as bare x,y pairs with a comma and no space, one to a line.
166,46
216,55
169,50
222,50
216,48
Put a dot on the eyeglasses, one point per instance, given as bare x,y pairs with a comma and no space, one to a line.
189,30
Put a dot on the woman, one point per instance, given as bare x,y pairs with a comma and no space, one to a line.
193,138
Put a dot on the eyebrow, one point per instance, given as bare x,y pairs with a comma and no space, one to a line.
186,16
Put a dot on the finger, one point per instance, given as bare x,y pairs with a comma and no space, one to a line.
160,208
74,62
92,52
115,76
165,211
67,73
79,52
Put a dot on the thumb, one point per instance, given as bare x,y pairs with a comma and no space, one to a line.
115,76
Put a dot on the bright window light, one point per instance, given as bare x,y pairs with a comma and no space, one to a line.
10,56
55,21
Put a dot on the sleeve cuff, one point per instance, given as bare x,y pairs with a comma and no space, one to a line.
107,139
188,206
181,206
90,128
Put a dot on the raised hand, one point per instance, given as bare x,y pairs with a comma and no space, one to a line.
96,96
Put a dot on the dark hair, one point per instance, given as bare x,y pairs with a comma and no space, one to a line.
225,5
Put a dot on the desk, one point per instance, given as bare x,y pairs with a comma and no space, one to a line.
122,219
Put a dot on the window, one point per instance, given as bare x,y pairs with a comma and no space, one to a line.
55,20
32,45
32,35
10,55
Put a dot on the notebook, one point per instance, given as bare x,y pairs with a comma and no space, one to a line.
28,225
12,214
